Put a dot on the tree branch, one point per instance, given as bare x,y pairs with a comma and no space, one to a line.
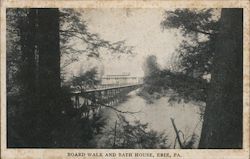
200,31
115,109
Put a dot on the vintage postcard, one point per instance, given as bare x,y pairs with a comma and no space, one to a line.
129,79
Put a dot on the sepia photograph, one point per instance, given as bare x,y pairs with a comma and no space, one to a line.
123,78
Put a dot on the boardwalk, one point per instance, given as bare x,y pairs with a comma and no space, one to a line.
91,100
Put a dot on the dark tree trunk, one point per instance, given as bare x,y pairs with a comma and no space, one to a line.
222,127
49,51
48,69
39,118
23,122
28,32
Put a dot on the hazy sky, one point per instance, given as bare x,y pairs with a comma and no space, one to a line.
139,28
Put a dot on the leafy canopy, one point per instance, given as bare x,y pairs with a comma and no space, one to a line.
200,27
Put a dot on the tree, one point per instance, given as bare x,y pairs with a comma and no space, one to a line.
151,66
40,111
222,127
85,80
74,32
16,83
195,53
191,21
133,135
15,19
48,69
200,27
36,106
152,81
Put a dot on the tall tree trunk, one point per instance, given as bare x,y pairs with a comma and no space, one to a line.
24,107
222,127
40,78
48,63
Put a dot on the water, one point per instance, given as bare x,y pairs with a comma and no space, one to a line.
157,115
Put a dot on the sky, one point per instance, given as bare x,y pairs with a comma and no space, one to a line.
140,28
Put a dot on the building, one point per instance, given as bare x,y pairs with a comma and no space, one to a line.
123,79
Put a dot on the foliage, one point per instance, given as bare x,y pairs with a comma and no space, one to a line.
81,131
213,46
15,21
222,126
162,81
191,21
73,28
38,114
150,66
195,54
86,80
135,135
196,59
200,27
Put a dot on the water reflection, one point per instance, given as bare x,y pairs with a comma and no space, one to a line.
158,114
